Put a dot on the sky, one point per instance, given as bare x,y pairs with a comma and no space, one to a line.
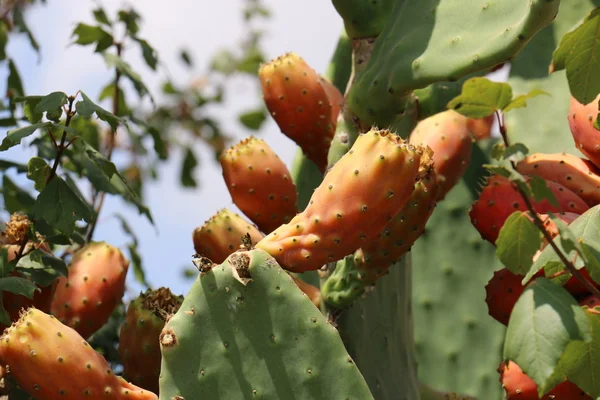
310,28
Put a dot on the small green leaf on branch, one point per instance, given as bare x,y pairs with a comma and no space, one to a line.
518,241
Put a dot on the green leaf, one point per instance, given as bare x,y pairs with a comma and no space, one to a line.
541,191
61,207
518,241
38,171
579,53
253,119
3,40
101,17
14,85
15,136
19,21
136,261
187,168
10,121
5,165
498,151
130,18
52,105
41,267
87,107
109,93
592,260
148,53
224,62
185,57
543,322
516,152
114,61
586,228
581,362
15,198
481,97
521,100
88,34
87,129
18,285
31,103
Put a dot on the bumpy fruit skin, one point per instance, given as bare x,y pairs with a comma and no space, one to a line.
361,193
502,292
516,384
576,174
481,128
139,345
447,134
402,231
551,227
52,361
95,285
499,199
259,183
42,298
222,234
304,105
581,121
519,386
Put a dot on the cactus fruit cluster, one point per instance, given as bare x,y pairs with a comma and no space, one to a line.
369,270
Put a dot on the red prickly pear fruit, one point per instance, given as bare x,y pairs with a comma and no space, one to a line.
502,292
575,287
361,193
313,292
481,128
94,287
42,298
499,199
590,301
139,344
51,361
566,390
403,230
581,121
302,103
222,234
551,227
516,384
448,136
576,174
259,183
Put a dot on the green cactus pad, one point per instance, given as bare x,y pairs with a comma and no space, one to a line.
542,126
363,18
459,346
245,331
441,40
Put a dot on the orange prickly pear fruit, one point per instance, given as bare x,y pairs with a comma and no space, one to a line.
361,193
499,199
222,235
51,361
259,183
94,287
449,137
139,344
581,121
304,104
481,128
403,230
576,174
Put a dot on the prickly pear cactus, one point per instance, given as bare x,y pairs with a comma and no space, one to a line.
459,346
245,330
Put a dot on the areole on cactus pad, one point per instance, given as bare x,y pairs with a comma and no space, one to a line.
341,215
